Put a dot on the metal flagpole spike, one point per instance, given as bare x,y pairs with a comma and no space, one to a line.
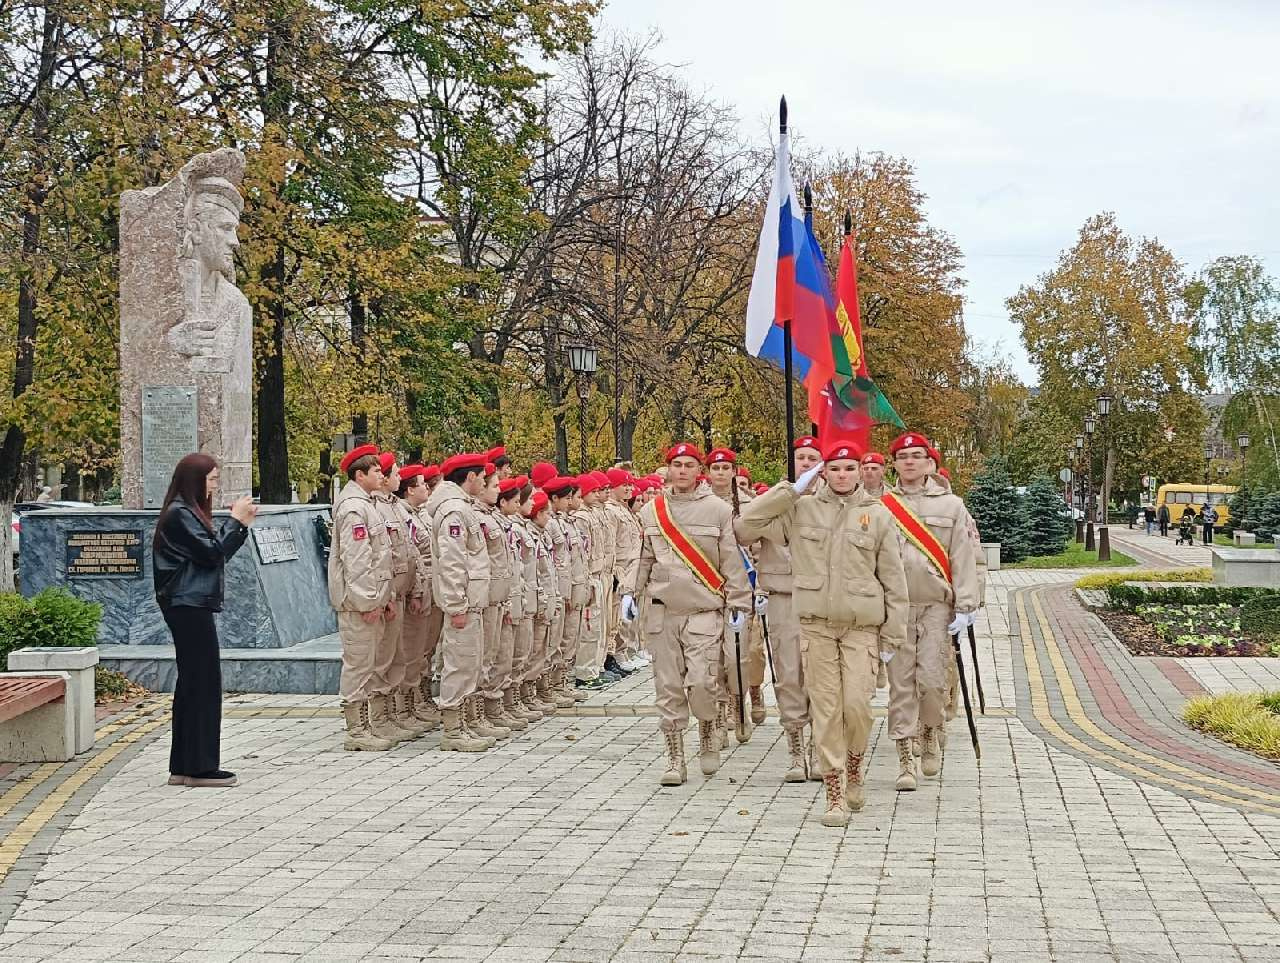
848,222
768,647
742,695
968,706
977,673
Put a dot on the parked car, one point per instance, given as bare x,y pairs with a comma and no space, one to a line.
22,508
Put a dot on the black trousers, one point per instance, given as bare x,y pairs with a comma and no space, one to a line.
1208,534
197,696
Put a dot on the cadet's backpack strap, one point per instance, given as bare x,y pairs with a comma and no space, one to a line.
918,533
686,548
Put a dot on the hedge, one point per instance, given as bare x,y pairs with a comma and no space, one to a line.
1129,597
1260,616
55,617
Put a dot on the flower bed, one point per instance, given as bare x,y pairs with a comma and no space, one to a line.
1192,621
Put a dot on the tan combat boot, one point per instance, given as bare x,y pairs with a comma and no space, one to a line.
815,773
424,707
487,710
381,721
552,693
722,726
854,794
676,772
471,721
836,815
742,727
906,767
359,735
455,738
524,699
799,771
930,754
402,712
757,705
708,748
508,713
543,700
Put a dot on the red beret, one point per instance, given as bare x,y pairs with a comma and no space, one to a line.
538,503
743,473
559,484
909,440
489,467
618,477
683,449
542,472
718,455
387,461
842,451
808,441
356,453
761,488
935,455
411,471
873,458
464,460
493,454
588,483
430,472
945,473
512,484
601,477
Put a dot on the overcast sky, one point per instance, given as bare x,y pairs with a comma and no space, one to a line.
1023,119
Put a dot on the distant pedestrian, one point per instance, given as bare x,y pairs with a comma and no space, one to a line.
1162,517
188,558
1149,516
1208,518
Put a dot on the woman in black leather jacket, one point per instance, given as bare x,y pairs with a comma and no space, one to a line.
188,558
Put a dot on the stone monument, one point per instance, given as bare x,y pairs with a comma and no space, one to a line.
186,331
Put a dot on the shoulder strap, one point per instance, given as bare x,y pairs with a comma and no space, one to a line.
686,548
918,533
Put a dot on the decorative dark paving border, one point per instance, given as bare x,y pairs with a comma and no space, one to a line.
1079,688
39,800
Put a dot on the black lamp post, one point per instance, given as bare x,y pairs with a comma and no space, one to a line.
1104,540
1242,444
1090,425
583,360
1080,479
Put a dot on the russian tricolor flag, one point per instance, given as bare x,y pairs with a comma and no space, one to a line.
790,283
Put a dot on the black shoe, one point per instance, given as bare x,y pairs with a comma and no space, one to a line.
591,684
611,665
218,777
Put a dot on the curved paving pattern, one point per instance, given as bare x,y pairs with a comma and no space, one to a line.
1082,690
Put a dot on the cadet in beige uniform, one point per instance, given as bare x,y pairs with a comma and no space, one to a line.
569,556
918,675
460,584
517,628
405,586
943,477
541,675
722,476
360,591
422,618
495,666
871,471
851,600
589,659
627,536
691,596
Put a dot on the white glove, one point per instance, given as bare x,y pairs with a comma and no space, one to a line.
886,657
762,604
804,481
627,611
961,622
737,620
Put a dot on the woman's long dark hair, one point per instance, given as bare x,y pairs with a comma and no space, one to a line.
189,484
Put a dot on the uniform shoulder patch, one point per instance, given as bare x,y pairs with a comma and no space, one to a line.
359,533
455,531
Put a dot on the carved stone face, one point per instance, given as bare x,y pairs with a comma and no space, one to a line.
215,240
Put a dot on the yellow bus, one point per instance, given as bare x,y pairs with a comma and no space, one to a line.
1181,495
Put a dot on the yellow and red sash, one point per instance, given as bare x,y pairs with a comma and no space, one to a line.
918,533
686,548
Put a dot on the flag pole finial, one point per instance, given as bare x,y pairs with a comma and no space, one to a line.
848,222
808,198
782,116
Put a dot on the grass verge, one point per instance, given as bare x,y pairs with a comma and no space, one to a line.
1248,720
1073,556
1226,542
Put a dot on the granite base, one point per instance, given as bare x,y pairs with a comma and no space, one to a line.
311,668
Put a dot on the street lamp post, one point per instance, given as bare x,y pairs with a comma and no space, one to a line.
1080,478
1090,425
583,360
1104,539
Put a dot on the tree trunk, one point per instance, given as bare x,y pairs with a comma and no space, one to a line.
15,439
273,435
626,444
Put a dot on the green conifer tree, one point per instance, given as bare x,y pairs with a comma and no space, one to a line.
1047,524
998,510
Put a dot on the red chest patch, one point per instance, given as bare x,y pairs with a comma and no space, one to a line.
359,533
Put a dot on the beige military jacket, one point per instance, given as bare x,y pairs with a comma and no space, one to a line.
561,556
627,538
947,518
846,563
501,564
360,554
664,575
979,556
460,576
607,532
420,539
587,522
524,602
773,561
548,578
404,557
579,565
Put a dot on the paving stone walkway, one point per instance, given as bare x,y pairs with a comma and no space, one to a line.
1065,844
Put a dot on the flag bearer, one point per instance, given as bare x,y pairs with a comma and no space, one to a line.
850,597
694,579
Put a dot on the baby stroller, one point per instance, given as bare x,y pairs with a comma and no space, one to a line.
1186,531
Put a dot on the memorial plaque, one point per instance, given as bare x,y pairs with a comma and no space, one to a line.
275,544
95,554
168,434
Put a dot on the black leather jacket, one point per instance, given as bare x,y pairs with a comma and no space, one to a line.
187,559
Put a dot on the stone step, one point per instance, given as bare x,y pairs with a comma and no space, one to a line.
309,668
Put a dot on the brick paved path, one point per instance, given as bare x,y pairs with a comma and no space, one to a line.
1067,844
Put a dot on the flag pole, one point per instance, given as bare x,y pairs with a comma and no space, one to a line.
787,368
808,220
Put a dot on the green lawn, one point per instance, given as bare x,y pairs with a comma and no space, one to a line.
1226,542
1074,556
